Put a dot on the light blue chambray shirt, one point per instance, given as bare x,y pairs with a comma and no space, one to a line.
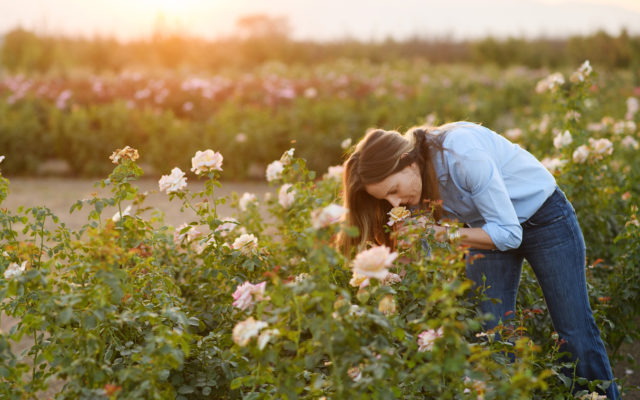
486,181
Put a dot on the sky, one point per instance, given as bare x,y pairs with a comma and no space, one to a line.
325,19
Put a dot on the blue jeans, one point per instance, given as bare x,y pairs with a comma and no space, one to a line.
553,244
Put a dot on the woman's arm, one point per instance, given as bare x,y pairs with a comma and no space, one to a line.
476,238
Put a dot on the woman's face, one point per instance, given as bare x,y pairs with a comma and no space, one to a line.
402,188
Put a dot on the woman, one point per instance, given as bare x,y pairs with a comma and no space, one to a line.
511,206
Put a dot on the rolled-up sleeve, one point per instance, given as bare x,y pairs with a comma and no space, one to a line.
477,173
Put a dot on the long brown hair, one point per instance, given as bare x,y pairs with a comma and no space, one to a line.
378,155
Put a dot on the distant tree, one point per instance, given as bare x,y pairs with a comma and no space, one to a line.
24,51
263,26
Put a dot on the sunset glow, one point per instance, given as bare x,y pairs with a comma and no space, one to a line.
329,19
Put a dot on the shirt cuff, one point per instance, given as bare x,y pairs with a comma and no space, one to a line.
504,237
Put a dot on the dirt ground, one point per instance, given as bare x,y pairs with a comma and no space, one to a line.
59,194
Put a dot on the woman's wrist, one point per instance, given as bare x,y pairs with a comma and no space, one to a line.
451,236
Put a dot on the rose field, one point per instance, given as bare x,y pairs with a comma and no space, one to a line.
169,285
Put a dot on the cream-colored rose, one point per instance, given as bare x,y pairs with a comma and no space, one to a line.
329,215
128,153
247,243
513,134
427,338
387,305
241,137
397,214
374,262
246,199
266,336
354,373
550,83
245,330
310,92
359,281
286,196
174,182
274,170
581,154
15,270
205,161
552,164
334,172
562,139
633,105
601,146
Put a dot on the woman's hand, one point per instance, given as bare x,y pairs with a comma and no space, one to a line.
440,233
473,237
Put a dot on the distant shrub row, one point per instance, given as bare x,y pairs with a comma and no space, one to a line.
28,52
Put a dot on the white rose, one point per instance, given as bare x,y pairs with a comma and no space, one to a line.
346,143
630,142
265,336
246,243
287,156
274,170
227,225
205,161
581,73
241,137
513,134
15,270
116,217
562,139
310,92
550,83
1,159
331,214
633,105
334,172
374,262
581,154
245,330
427,338
552,164
286,196
247,294
601,146
246,199
189,235
174,182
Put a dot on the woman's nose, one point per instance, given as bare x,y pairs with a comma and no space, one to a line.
394,201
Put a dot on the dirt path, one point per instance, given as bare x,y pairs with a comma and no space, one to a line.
59,194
